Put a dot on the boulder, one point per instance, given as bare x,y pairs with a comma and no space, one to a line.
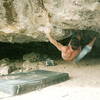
6,66
34,57
20,20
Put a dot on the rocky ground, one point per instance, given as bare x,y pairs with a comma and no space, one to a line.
84,83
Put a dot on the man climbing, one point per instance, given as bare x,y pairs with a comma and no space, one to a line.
74,50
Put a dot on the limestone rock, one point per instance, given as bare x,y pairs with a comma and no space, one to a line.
50,62
4,70
20,20
33,57
28,66
6,66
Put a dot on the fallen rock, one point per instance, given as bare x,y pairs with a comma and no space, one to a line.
29,66
50,62
33,57
4,70
6,66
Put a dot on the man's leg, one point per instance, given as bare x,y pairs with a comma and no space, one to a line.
92,42
85,50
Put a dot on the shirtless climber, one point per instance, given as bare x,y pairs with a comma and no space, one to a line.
74,50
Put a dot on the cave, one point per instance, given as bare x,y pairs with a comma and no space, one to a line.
15,51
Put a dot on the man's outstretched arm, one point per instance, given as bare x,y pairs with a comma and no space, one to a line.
47,31
58,45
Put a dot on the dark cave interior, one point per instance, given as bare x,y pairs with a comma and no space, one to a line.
16,50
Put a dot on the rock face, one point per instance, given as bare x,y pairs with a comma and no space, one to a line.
20,20
6,67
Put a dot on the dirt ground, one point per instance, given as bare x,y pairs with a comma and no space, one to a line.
84,82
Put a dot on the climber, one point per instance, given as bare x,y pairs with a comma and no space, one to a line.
74,50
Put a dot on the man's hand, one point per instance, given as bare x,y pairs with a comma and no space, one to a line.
45,30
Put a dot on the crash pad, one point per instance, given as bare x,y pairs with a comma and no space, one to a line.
24,82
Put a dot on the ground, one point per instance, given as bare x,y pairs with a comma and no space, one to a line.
84,82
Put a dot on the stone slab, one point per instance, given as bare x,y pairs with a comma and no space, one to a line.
20,83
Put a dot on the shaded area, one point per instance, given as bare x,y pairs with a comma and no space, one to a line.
16,51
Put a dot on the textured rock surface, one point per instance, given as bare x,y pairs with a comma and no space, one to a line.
6,66
33,57
21,19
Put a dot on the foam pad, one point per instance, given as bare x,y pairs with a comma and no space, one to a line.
20,83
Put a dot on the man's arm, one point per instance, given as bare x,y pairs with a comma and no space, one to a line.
58,45
47,31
